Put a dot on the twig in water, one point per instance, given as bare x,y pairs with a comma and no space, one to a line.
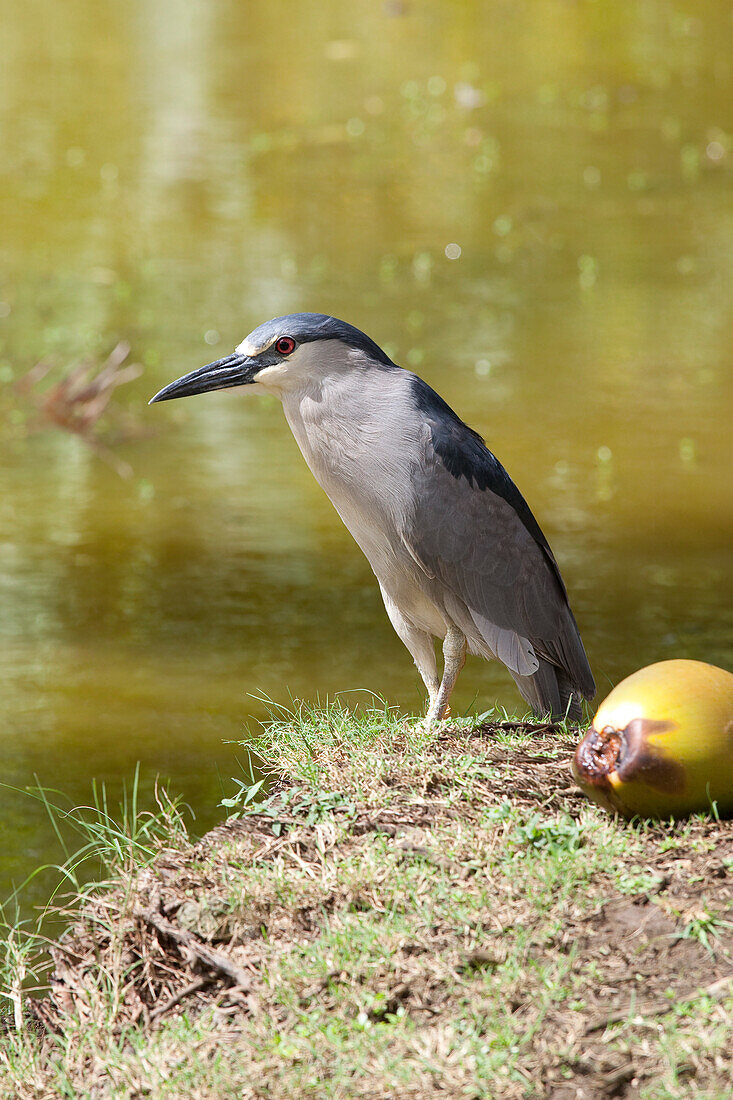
78,400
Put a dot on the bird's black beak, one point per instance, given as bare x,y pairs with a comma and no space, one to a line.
232,370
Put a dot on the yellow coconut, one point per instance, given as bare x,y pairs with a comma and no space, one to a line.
661,744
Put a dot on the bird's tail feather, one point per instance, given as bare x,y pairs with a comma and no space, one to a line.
549,690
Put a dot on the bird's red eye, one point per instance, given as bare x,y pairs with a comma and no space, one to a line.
285,345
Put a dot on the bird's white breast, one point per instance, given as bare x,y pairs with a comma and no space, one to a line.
357,430
357,434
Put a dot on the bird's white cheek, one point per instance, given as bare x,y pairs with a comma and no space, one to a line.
272,378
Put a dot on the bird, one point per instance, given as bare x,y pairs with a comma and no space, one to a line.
457,553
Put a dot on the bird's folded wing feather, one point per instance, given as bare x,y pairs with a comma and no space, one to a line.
478,544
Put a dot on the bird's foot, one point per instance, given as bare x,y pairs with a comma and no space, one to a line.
429,725
436,719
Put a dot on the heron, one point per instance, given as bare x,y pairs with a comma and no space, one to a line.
457,553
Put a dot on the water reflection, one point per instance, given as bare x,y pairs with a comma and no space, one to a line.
175,173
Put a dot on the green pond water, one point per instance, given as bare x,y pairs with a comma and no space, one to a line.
529,204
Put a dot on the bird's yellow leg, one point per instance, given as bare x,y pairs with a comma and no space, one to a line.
454,652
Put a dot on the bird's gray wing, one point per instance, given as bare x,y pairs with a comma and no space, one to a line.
471,529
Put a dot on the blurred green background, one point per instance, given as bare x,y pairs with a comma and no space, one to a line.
527,203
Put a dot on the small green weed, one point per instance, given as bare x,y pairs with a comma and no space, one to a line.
561,835
704,927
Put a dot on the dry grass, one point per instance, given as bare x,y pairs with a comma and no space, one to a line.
404,916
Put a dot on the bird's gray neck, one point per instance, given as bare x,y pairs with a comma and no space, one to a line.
353,428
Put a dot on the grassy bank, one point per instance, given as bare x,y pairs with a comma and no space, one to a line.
405,915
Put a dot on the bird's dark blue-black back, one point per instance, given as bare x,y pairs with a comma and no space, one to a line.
464,454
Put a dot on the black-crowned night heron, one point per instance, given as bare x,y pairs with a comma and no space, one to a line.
456,550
